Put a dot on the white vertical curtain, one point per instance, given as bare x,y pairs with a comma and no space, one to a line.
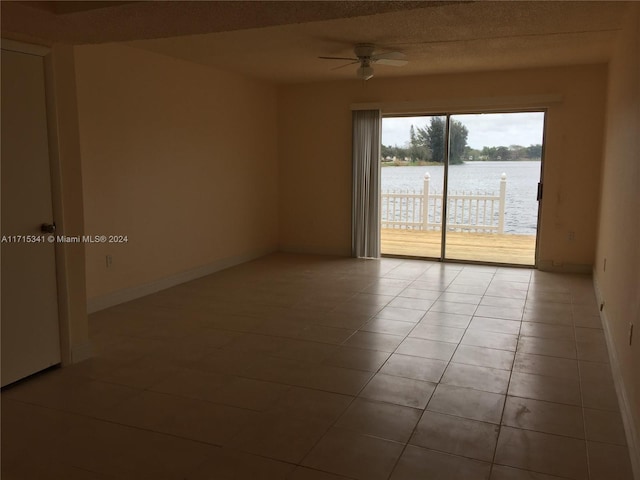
365,211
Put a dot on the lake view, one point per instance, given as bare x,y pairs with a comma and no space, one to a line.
521,206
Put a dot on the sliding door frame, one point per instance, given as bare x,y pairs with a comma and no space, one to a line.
475,111
445,189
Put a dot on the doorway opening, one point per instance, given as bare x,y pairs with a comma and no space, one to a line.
462,187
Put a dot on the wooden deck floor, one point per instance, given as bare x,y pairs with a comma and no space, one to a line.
480,247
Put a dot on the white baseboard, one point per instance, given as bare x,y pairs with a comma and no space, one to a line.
626,408
81,352
332,251
553,266
101,302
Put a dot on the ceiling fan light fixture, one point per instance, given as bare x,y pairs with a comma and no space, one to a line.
365,72
366,56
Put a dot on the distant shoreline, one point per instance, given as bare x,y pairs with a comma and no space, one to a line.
403,163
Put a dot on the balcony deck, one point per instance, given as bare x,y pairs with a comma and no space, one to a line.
480,247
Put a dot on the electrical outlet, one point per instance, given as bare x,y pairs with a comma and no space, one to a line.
572,236
109,260
630,333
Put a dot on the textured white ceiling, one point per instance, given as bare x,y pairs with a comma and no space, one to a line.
460,37
104,21
280,41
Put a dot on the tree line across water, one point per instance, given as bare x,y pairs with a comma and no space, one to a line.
427,145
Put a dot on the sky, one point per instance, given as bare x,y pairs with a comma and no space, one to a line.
485,130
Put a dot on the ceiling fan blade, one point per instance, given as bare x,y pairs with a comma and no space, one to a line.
389,56
339,58
391,62
395,59
345,65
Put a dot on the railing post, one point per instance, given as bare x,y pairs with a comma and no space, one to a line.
503,194
425,201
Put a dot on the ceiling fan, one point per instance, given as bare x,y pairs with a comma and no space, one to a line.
366,57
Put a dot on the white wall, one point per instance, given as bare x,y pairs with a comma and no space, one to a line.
619,228
181,159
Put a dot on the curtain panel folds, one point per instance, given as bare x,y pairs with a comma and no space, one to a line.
365,211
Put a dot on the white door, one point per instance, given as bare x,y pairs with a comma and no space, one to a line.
30,328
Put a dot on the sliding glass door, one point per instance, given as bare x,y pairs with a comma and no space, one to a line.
412,183
462,187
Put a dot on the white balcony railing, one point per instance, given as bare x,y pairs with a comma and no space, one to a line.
466,211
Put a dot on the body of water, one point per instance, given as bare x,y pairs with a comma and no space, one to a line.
521,206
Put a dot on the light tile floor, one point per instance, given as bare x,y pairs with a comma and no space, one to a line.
301,367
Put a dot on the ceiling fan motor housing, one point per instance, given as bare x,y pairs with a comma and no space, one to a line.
364,50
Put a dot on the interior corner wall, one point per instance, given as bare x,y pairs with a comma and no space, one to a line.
618,283
315,153
179,158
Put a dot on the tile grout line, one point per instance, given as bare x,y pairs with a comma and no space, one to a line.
582,408
515,353
437,384
413,430
357,395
